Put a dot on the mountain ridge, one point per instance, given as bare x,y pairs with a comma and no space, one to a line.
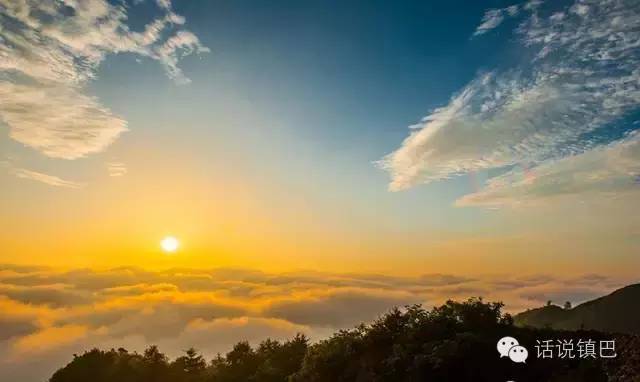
617,312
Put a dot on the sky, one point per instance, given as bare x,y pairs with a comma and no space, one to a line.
370,153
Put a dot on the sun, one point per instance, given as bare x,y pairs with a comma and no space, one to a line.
169,244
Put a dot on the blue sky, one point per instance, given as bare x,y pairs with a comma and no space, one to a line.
426,119
316,160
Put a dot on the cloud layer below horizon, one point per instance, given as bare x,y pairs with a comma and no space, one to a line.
48,315
538,121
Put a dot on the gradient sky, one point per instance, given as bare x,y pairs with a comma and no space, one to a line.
454,137
320,162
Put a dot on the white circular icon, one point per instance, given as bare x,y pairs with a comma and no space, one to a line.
518,354
505,344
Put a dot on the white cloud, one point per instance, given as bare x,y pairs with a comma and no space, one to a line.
583,77
48,315
166,4
612,169
116,169
494,17
58,120
48,51
44,178
181,44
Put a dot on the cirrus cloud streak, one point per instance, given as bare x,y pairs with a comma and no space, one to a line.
582,80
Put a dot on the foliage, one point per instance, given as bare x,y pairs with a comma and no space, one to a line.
453,342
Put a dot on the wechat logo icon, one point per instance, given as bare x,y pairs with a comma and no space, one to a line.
509,347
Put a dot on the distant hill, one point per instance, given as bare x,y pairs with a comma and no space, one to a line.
618,312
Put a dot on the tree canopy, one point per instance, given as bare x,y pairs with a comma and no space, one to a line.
452,342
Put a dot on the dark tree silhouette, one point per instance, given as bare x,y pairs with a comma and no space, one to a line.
452,342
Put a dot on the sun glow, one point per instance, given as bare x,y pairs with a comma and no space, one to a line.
169,244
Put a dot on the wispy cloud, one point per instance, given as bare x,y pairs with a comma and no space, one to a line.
494,17
613,169
116,169
583,77
48,51
44,178
58,120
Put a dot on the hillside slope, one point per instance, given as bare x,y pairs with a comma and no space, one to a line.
617,312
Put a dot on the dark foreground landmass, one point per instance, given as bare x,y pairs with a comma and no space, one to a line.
453,342
618,312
